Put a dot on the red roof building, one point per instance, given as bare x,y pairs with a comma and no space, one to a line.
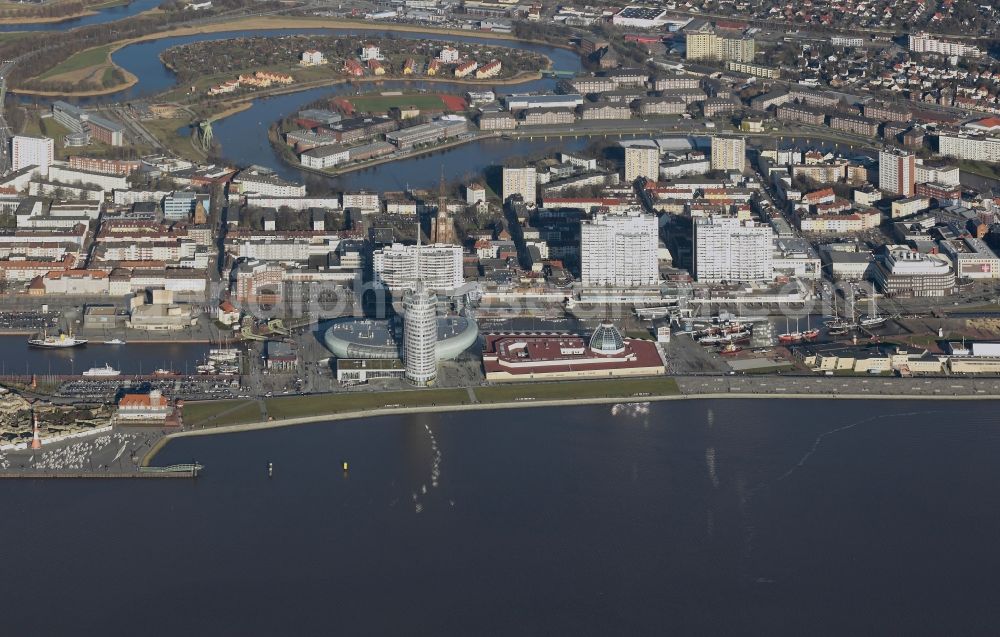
153,407
551,356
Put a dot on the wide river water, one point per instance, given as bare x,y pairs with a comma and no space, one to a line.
777,517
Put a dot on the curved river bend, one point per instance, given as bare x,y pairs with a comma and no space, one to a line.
100,16
142,59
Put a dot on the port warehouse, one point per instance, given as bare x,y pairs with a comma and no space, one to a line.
977,358
444,128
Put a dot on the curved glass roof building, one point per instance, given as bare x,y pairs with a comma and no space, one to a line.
352,337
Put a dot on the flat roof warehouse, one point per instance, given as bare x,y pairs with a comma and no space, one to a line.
641,13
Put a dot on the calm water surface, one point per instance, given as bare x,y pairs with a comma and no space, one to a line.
133,358
100,16
702,517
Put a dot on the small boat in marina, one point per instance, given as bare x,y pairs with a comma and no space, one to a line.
114,341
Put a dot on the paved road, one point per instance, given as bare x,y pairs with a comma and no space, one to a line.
837,385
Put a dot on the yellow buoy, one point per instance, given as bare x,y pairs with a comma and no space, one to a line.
345,465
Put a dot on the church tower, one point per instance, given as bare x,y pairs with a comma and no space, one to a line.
442,225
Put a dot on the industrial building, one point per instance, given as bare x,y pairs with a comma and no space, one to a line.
437,131
520,101
640,17
79,121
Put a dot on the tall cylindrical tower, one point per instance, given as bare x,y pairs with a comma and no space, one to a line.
420,335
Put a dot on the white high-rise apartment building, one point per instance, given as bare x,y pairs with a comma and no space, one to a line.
974,148
31,151
729,153
926,43
520,181
897,171
619,250
440,266
726,249
703,43
641,162
420,335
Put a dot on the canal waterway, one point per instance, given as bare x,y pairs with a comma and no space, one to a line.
778,517
100,16
243,138
142,59
135,357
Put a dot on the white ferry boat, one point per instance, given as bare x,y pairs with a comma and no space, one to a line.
63,340
115,341
107,370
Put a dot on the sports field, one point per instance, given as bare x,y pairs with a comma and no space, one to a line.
382,103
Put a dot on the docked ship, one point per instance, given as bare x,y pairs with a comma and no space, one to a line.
839,326
789,337
63,340
873,320
729,337
868,322
731,349
223,355
165,372
115,341
811,333
107,370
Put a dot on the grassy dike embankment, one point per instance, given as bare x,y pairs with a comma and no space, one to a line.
232,416
235,416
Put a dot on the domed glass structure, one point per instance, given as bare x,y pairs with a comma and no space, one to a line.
607,340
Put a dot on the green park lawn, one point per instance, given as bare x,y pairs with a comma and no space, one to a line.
302,406
220,412
82,60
